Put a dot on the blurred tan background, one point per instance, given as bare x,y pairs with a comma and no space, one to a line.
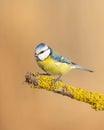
75,28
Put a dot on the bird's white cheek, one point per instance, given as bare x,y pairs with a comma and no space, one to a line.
44,55
41,56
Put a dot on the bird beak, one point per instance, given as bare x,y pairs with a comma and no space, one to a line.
36,55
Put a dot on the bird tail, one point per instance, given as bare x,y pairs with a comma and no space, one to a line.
83,68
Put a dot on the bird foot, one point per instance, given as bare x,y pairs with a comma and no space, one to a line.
43,74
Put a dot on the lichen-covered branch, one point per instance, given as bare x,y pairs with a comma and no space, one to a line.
96,100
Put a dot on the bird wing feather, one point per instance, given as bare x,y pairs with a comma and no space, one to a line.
56,56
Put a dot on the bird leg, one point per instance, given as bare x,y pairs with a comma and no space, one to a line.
58,78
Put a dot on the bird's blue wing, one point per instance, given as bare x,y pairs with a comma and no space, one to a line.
56,56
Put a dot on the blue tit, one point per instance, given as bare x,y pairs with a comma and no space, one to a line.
53,63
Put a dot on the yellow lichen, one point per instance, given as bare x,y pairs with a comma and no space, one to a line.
47,82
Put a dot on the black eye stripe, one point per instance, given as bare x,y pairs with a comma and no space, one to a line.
43,51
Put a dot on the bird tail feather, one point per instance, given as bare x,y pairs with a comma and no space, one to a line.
83,68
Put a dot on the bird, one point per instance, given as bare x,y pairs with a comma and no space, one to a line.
53,63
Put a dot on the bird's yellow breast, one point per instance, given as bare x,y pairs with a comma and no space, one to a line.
54,67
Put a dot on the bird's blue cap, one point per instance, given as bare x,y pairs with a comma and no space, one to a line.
41,45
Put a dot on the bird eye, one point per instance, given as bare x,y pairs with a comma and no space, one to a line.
41,52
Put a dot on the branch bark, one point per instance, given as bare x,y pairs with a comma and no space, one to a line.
36,80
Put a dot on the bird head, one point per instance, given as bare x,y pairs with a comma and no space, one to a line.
42,51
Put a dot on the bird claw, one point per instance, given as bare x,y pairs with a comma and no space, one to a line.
43,74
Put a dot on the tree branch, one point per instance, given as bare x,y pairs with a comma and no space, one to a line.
96,100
